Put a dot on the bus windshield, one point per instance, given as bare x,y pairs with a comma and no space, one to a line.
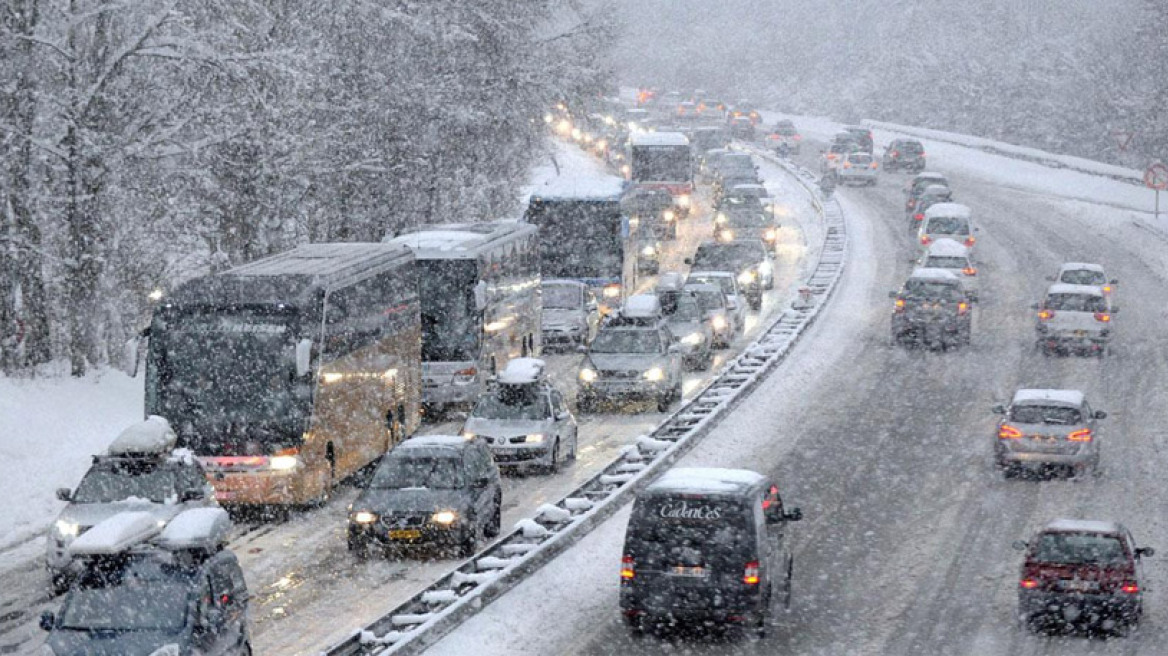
579,238
226,367
450,322
661,164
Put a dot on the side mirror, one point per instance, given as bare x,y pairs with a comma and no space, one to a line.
793,515
1099,414
998,409
303,357
1147,552
64,494
48,620
1035,306
1114,281
1020,545
689,260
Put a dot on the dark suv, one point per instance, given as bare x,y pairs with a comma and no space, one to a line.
749,260
1081,574
904,155
706,545
931,310
433,489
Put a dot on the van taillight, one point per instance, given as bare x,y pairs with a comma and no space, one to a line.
926,240
1028,584
1008,432
628,569
919,216
970,240
750,577
1046,315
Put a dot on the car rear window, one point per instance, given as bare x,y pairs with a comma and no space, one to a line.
1046,414
691,531
728,257
933,290
939,262
911,147
1080,549
948,225
1083,277
1075,303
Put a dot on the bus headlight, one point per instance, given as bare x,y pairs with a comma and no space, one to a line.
719,218
283,463
654,375
444,517
364,517
693,339
588,375
648,251
747,277
769,234
534,438
683,201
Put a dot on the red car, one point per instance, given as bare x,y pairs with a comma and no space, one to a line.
1081,574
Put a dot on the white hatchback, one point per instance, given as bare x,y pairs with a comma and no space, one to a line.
952,256
1074,318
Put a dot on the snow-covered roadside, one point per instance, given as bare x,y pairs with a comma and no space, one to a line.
49,428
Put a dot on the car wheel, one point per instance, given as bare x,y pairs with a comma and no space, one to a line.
466,548
664,401
553,465
585,404
59,583
634,625
496,524
755,304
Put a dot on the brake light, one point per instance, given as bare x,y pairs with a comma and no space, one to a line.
750,576
872,165
771,493
922,153
926,240
1008,432
1102,317
899,307
919,216
970,240
847,165
962,307
468,372
1130,587
1028,584
969,271
628,570
798,137
1083,435
1107,289
896,153
1046,315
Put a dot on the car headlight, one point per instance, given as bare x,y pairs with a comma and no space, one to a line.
747,277
720,218
283,463
693,339
669,215
725,235
766,267
612,291
364,517
648,251
533,438
683,200
719,322
468,435
654,375
587,375
67,529
769,234
446,517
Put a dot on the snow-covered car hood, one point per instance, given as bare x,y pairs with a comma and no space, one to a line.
411,499
507,427
681,328
562,318
625,361
112,643
89,514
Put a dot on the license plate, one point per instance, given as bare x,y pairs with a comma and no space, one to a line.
1081,586
405,534
1080,333
697,572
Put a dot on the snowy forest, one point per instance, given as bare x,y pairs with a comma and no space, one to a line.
146,141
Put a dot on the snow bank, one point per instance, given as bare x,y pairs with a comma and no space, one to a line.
572,172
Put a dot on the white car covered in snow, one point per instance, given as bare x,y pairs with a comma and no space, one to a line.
140,472
953,257
1085,273
947,221
1074,319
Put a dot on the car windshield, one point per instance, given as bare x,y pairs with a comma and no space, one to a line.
711,300
732,256
748,220
933,290
527,401
439,472
1075,303
106,484
562,297
941,262
1046,414
947,225
1083,277
920,185
135,603
680,306
626,341
1080,549
724,282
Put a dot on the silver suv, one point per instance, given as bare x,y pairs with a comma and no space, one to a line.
632,358
1044,429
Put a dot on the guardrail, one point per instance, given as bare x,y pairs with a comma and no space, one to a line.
430,614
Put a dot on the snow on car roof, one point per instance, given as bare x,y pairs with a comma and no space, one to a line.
709,274
711,480
561,282
640,306
439,240
1080,266
116,534
956,210
658,139
937,190
197,528
1083,526
929,273
521,371
1067,288
748,187
1038,396
930,175
670,281
153,436
419,441
946,247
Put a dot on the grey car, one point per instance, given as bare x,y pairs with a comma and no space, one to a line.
432,490
1045,429
691,327
570,316
931,310
633,359
139,472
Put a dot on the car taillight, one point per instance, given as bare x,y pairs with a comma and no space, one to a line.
919,216
1028,584
469,372
1046,315
896,153
1008,432
750,576
969,240
899,306
926,240
798,137
922,153
872,165
1107,289
969,271
1102,317
962,307
628,569
1083,435
847,165
1130,587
